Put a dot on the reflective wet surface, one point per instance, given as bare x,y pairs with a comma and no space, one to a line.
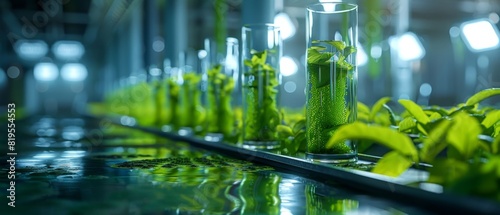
84,166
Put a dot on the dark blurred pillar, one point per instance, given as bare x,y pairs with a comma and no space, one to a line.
175,30
257,11
150,32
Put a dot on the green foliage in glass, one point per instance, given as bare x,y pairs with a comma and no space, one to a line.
193,112
260,93
220,116
326,113
173,89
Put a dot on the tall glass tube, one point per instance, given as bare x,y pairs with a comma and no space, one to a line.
220,80
331,73
261,53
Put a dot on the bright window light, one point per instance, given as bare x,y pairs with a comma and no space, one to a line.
68,50
31,49
74,72
45,71
286,25
408,46
288,66
480,35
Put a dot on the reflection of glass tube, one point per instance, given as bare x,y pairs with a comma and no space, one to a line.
260,194
321,203
220,77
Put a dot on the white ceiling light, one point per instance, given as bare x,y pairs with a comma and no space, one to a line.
408,47
45,71
31,49
68,50
286,25
288,66
74,72
480,35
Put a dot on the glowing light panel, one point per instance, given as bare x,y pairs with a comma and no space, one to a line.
68,50
286,25
45,71
288,66
480,35
408,46
31,49
74,72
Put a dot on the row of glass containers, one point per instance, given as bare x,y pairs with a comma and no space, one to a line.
206,102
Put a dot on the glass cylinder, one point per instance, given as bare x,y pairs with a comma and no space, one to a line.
220,79
331,75
261,53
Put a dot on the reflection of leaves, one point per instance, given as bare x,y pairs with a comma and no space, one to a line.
392,164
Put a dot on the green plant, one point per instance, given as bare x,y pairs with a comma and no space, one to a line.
220,116
173,98
194,113
261,114
326,112
461,143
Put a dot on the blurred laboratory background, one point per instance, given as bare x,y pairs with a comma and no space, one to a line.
58,55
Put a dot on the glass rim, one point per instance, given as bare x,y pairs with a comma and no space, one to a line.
260,25
312,7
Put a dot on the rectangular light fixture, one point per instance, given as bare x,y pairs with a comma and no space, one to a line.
408,46
68,50
31,49
480,35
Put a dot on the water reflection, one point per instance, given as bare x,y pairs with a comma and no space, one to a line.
260,194
172,178
319,201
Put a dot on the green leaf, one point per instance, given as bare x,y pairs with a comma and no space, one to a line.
447,170
435,116
299,126
463,135
482,95
362,108
440,110
339,45
415,110
407,124
495,146
381,135
377,106
491,118
422,129
392,164
392,116
318,48
300,140
316,57
435,141
349,50
284,131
